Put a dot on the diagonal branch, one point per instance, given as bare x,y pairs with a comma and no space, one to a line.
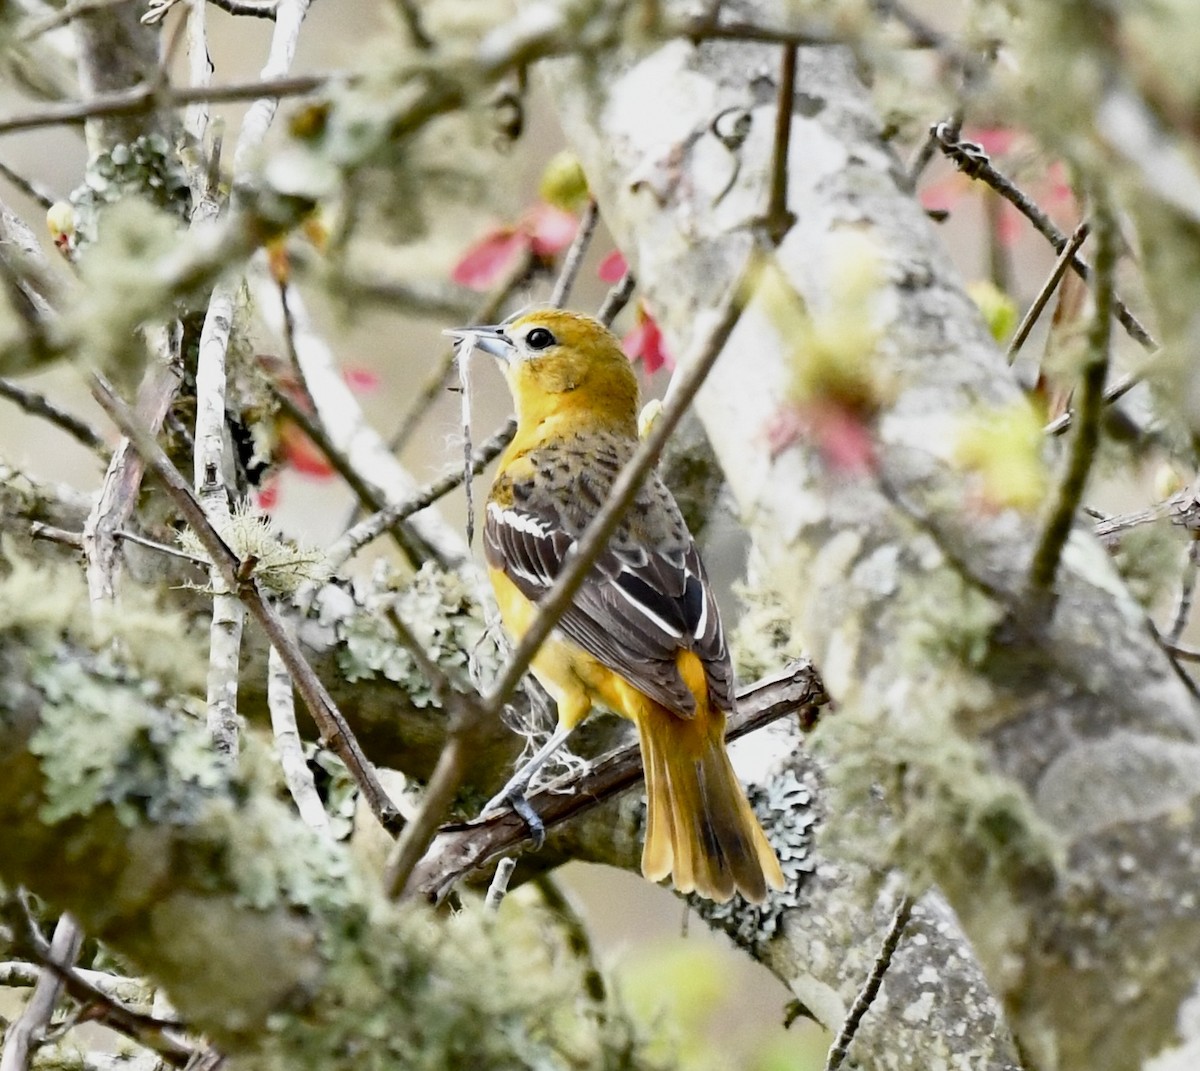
235,573
461,849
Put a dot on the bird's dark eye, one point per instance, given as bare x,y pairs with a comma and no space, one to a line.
539,338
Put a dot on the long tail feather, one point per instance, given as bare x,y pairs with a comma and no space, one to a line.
700,827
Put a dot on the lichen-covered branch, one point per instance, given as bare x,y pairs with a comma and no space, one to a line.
266,937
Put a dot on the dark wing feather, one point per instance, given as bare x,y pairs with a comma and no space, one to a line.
643,601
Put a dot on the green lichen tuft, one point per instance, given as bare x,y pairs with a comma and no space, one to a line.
477,989
949,621
147,168
280,565
103,741
946,817
765,638
442,612
47,605
118,294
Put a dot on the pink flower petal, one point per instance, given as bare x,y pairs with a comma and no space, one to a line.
485,262
613,267
360,380
996,140
550,229
839,434
299,453
645,343
266,498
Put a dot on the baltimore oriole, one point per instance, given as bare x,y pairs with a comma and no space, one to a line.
643,635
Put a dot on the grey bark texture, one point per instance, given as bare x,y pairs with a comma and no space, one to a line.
1038,761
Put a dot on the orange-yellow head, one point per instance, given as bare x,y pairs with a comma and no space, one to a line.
559,363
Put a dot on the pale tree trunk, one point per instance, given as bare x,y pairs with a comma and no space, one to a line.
1039,762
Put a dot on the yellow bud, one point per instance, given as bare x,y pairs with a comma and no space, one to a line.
1004,447
60,219
1169,479
563,183
650,413
999,310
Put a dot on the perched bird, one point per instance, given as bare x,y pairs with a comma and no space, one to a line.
643,635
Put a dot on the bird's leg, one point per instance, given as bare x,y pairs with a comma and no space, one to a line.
513,794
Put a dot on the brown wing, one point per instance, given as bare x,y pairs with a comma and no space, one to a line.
646,598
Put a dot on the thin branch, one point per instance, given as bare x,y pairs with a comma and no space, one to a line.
460,849
465,714
1187,590
568,915
321,706
499,885
870,989
146,98
1115,391
924,155
25,1032
616,299
410,11
573,261
262,9
288,747
39,405
375,525
38,530
1078,237
779,218
1184,654
1091,404
32,189
974,162
158,1035
341,416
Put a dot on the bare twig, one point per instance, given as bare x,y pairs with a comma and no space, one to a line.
1078,237
296,774
320,705
145,98
39,405
499,885
375,525
1187,589
779,218
25,1032
616,299
32,189
410,11
340,415
38,530
465,714
573,261
461,849
160,1036
870,989
1116,390
1091,403
973,162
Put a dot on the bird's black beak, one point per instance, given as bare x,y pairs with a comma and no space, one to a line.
491,340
